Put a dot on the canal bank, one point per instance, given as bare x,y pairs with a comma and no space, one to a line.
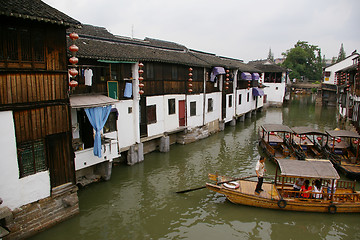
139,202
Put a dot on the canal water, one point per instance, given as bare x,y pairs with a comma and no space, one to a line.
139,202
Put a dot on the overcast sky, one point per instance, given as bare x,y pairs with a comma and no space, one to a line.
242,29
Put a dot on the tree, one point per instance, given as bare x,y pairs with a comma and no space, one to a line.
270,55
304,60
342,54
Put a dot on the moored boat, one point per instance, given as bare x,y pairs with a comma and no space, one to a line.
274,141
308,141
342,148
280,194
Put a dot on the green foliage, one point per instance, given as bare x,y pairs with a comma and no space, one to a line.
304,60
342,54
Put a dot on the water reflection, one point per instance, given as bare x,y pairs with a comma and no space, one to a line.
140,202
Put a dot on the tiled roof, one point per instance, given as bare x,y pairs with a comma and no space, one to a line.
35,10
98,43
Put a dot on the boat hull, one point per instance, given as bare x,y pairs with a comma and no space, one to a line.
275,202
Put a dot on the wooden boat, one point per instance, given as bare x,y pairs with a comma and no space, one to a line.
308,141
274,141
280,194
342,148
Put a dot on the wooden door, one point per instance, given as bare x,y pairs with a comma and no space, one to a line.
182,113
60,158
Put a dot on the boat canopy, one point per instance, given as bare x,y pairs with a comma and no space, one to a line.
276,128
307,130
343,133
309,168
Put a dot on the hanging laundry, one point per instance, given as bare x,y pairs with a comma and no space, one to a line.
128,90
88,76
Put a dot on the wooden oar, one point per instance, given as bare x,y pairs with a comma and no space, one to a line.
194,189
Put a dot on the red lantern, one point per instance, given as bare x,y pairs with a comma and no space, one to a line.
319,138
141,65
190,69
73,60
141,79
73,36
141,92
287,135
272,133
73,72
190,90
190,80
190,74
338,140
356,141
226,87
227,75
227,70
190,85
141,71
73,83
141,85
303,138
227,83
73,48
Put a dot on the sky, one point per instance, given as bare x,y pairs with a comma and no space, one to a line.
241,29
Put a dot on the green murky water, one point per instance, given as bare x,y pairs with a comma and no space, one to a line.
139,202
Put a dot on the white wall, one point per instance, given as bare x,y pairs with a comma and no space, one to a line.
245,106
197,120
336,67
230,111
275,92
216,113
172,121
16,192
158,127
126,124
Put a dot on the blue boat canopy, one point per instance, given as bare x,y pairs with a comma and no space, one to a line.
246,76
257,92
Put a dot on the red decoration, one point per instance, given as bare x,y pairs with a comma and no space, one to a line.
74,60
303,138
73,48
141,92
319,138
190,80
141,71
74,36
338,140
190,74
356,141
190,85
141,85
141,79
73,83
287,135
141,65
190,69
73,72
190,90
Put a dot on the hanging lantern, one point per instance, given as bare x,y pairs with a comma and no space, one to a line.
190,90
141,78
227,83
73,48
356,141
303,138
74,36
338,140
287,136
272,133
73,72
74,60
190,80
73,83
190,85
319,138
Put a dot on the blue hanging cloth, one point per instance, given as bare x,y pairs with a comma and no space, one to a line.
98,117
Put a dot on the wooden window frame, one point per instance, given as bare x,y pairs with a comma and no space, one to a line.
36,157
171,106
210,105
193,108
151,114
230,101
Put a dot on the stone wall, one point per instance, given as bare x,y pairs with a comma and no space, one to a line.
34,217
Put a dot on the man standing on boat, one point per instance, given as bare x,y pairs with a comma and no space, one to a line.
260,170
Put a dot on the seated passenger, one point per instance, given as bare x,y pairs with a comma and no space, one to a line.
305,189
317,189
298,183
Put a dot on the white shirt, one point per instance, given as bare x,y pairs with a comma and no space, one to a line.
260,168
88,77
315,189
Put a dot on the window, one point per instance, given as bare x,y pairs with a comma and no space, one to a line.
110,125
192,108
327,74
210,105
230,101
240,99
31,156
248,97
23,46
151,114
171,106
